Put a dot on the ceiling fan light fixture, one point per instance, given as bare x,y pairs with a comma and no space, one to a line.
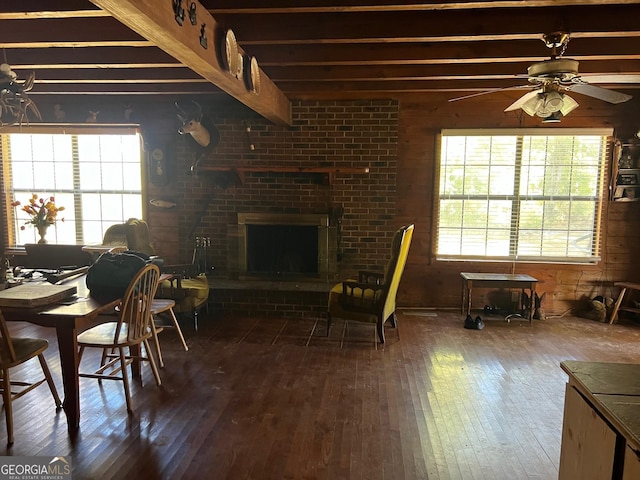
568,105
531,106
553,118
554,101
547,103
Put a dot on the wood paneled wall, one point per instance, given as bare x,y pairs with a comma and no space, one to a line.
431,283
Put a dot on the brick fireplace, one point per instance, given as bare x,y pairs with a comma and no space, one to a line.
353,214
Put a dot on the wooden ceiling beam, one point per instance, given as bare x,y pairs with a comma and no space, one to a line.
149,75
60,31
257,7
397,86
117,88
430,53
435,24
98,57
625,72
155,21
357,56
382,54
432,72
44,9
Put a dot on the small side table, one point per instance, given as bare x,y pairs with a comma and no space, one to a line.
495,280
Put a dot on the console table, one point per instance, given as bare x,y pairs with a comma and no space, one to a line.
495,280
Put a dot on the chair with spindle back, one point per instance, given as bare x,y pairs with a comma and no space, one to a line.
131,328
14,352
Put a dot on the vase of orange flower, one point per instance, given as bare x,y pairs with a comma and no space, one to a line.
42,214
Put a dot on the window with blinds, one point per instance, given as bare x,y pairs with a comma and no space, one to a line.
530,195
95,177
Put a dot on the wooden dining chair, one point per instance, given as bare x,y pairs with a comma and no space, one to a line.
14,352
130,330
158,307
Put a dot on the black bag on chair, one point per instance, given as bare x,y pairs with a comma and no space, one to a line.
110,275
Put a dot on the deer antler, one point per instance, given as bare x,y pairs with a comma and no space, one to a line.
199,115
182,115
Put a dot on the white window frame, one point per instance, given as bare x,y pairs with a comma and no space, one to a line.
76,228
450,233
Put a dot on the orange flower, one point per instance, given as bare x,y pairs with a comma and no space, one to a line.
41,212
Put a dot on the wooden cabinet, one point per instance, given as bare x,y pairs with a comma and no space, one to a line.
601,426
625,173
588,443
631,465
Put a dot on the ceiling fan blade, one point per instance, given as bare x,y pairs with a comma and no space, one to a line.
522,100
611,78
487,91
600,93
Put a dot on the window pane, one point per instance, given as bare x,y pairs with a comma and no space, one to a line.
498,242
449,241
43,175
502,180
22,175
112,177
131,176
452,180
90,175
475,213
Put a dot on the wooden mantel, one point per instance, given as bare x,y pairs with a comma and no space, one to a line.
156,22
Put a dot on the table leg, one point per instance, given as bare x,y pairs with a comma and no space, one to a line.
532,302
68,347
469,288
136,366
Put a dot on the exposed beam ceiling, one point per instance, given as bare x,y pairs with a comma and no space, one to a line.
318,50
197,45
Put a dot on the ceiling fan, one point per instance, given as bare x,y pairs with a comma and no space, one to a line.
550,78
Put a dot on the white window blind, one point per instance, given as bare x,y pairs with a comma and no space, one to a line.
96,177
531,195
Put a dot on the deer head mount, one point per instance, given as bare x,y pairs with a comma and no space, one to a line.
199,126
201,129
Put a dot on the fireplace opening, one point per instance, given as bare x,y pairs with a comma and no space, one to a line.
282,246
282,249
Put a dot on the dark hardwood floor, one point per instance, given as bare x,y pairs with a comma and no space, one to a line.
275,399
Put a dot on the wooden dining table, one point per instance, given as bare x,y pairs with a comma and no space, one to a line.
69,317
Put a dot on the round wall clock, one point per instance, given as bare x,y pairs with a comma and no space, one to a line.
158,166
